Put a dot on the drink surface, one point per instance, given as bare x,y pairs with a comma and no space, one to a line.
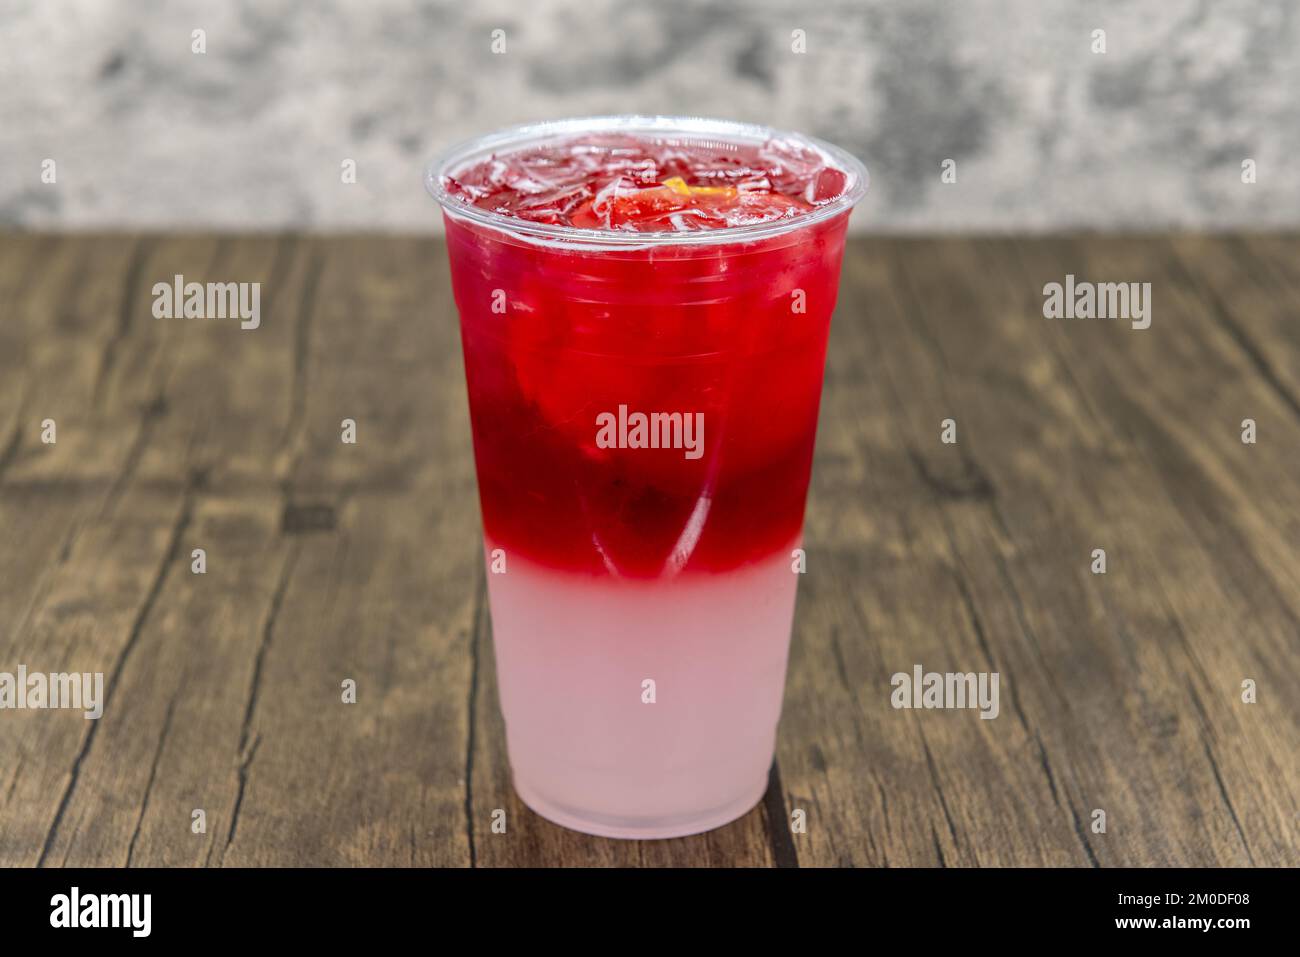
642,184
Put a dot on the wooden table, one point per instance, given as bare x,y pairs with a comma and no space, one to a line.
327,561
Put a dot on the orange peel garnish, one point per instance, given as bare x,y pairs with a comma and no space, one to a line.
678,186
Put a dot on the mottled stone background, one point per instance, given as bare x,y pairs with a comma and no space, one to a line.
1046,134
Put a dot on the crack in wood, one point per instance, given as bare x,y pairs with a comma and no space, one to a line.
841,669
784,852
13,778
139,256
153,410
938,848
1083,837
179,526
9,454
1047,767
301,344
248,742
1223,791
1222,316
938,785
153,774
479,617
246,757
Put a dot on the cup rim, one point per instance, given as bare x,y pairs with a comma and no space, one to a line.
515,137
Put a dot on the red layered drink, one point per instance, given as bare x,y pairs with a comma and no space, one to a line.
644,308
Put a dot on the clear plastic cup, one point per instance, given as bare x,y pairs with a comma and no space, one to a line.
642,594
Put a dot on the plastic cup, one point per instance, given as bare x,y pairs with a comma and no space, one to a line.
642,572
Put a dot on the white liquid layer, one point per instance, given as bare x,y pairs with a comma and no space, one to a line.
572,655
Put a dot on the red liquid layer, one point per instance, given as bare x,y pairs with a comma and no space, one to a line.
554,337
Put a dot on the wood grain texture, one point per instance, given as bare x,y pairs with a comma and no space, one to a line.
328,562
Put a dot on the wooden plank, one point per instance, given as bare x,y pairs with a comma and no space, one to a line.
29,269
1209,591
200,649
384,597
1052,472
1039,477
89,613
888,589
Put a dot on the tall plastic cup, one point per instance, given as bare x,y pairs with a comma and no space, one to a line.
644,408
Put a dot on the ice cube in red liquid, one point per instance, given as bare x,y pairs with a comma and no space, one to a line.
617,181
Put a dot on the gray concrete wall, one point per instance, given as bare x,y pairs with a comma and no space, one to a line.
1046,134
